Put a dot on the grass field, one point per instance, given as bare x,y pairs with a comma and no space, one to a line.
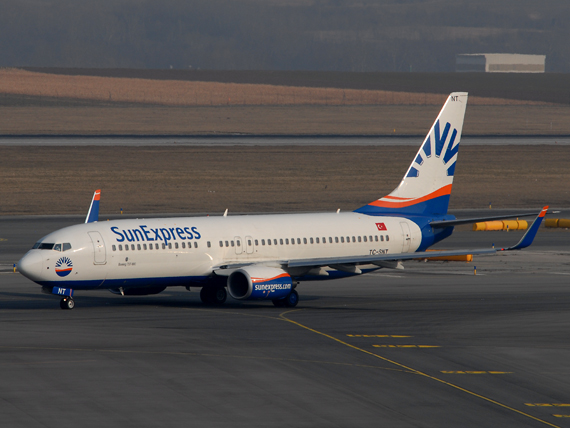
33,103
61,180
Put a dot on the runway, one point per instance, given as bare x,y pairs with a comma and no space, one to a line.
434,346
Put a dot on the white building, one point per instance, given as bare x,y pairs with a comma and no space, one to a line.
500,63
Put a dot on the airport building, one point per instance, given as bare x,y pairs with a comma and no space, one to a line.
500,63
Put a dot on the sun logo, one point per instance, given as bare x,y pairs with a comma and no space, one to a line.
63,266
437,146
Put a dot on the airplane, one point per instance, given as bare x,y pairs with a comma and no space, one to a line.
265,257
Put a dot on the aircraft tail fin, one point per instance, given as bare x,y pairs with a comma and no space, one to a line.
93,214
426,186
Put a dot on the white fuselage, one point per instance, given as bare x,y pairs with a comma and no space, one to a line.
124,253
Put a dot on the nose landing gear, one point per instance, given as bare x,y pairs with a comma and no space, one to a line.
67,303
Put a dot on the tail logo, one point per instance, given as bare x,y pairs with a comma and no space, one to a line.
439,142
63,266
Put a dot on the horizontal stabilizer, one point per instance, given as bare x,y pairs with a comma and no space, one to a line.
449,223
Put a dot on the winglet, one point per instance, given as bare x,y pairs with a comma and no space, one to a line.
93,214
528,237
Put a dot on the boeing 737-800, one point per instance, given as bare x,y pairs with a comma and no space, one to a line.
263,256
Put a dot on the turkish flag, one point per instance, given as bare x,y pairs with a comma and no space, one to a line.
381,226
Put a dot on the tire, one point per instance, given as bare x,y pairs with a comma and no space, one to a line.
67,303
218,295
292,299
205,296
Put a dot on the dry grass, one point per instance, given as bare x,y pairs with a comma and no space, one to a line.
61,180
185,93
278,120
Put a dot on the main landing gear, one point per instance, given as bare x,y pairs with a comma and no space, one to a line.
290,301
67,303
213,295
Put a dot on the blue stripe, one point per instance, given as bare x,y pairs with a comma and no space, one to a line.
129,283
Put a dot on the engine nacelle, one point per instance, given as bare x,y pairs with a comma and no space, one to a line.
259,282
138,291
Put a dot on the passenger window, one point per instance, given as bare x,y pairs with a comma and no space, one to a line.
281,241
170,245
317,240
221,244
256,243
139,247
209,245
381,238
114,248
133,247
57,247
227,244
336,239
360,239
126,247
156,246
66,246
184,245
370,238
120,247
311,240
353,239
376,238
150,246
176,245
275,241
232,243
269,242
299,241
292,241
387,238
364,238
144,246
249,242
342,239
263,242
348,239
163,245
287,241
238,243
195,245
330,239
304,240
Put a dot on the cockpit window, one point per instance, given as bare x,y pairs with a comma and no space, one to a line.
66,246
44,246
57,247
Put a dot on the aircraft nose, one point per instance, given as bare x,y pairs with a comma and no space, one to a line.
31,265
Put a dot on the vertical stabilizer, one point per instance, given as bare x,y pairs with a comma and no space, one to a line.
426,186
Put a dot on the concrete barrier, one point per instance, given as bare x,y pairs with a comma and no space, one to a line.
501,225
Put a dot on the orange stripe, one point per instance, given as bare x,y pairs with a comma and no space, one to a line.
543,212
395,197
445,190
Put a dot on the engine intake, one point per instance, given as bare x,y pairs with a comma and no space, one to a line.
259,283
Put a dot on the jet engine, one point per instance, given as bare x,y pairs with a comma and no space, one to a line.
259,283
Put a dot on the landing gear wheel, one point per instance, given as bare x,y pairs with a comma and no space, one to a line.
278,303
292,299
219,296
67,303
213,295
205,296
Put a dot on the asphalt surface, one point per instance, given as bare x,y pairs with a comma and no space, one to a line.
431,346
